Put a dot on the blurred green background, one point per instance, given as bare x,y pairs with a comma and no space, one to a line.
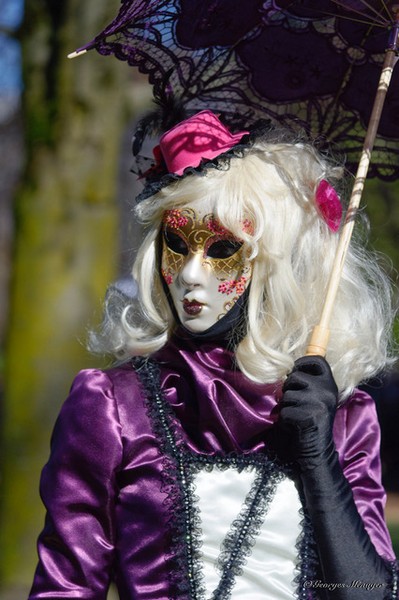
65,198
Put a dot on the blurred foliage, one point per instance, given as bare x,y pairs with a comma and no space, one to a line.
381,204
66,246
382,207
394,531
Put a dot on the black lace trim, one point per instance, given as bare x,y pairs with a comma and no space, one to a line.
221,162
392,592
177,485
308,562
179,469
242,536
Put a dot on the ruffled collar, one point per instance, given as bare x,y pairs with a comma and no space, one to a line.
217,407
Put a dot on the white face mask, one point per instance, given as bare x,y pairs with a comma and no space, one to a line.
205,266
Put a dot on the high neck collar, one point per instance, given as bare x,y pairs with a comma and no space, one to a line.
219,408
227,332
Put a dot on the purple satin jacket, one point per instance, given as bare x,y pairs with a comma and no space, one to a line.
110,491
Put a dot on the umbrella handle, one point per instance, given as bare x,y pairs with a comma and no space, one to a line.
318,342
320,335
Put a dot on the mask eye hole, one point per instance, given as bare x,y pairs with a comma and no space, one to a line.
175,242
223,248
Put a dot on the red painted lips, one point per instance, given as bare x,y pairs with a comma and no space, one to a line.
192,307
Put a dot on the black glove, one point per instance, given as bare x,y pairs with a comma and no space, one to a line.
307,411
305,433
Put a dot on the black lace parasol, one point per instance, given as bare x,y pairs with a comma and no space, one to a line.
308,65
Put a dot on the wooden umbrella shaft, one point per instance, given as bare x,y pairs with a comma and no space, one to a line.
320,335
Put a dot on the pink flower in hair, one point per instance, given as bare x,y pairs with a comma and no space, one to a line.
329,205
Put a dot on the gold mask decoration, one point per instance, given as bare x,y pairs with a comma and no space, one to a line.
202,263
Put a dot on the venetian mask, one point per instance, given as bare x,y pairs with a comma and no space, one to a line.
204,265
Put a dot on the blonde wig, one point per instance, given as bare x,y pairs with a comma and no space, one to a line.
292,249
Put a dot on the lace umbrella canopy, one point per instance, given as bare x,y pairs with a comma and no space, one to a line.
309,65
325,67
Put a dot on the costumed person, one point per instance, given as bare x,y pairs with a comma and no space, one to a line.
215,460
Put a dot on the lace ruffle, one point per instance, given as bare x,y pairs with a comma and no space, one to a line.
183,522
308,564
179,469
242,536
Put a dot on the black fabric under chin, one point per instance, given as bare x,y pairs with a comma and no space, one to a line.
228,331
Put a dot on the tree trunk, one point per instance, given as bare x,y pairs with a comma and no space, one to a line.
66,247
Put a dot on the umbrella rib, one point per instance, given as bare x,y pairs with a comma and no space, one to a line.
387,9
389,14
377,15
381,23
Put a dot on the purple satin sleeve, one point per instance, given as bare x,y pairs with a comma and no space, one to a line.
78,488
103,490
357,439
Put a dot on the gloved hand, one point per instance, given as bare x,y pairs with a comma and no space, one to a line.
307,411
303,434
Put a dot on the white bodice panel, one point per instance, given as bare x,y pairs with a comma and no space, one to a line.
270,568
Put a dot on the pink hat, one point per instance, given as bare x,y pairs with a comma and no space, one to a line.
201,137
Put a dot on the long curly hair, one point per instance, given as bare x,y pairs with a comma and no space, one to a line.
292,249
